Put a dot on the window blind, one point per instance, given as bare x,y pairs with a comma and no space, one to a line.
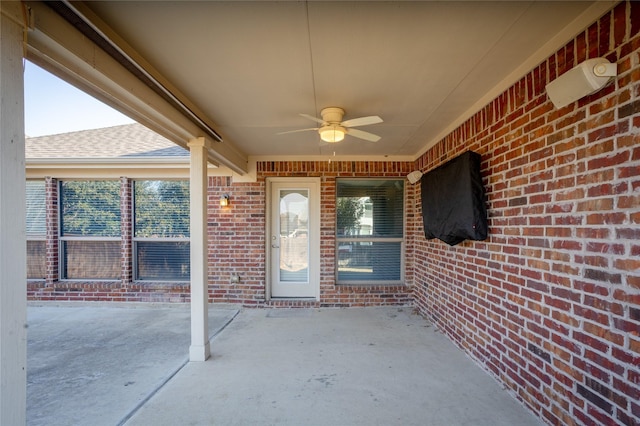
90,208
36,210
161,230
90,228
36,229
36,259
91,260
369,230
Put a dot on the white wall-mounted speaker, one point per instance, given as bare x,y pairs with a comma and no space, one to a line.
414,176
582,80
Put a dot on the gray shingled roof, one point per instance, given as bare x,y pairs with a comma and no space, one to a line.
126,141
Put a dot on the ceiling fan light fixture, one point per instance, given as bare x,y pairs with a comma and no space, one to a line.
332,129
332,133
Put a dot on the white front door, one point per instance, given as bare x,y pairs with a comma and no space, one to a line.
293,237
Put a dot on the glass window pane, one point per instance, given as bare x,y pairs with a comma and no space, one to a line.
36,209
36,266
161,209
370,208
91,260
369,261
369,230
163,261
294,235
90,208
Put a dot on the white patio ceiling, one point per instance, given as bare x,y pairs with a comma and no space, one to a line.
248,69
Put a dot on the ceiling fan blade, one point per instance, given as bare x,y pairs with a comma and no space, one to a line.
363,135
296,131
312,118
362,121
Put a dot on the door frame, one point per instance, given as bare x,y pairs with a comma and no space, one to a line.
314,231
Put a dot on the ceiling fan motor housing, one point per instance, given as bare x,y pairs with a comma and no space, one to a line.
332,115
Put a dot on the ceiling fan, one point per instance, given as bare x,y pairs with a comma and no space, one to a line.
332,129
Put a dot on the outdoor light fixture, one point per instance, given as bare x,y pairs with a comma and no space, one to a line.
332,133
224,200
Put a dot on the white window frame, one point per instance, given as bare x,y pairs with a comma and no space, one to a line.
63,239
401,240
137,240
42,238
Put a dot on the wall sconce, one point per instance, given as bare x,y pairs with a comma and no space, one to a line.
224,200
414,176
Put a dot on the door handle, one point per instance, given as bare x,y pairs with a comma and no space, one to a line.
274,246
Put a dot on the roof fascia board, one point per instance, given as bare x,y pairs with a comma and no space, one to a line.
93,173
122,161
114,171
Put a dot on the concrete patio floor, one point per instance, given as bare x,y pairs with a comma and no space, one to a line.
94,364
361,366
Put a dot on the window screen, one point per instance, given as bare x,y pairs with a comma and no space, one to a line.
36,229
90,230
369,230
161,230
89,260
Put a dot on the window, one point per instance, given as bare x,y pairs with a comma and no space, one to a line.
90,230
369,231
161,230
36,229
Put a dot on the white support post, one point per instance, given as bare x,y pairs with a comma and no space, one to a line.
13,257
200,348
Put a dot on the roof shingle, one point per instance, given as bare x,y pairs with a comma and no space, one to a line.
125,141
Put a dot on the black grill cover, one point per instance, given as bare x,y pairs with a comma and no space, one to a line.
453,201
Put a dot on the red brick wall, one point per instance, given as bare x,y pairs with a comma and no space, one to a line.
126,217
236,242
237,236
549,304
124,290
51,223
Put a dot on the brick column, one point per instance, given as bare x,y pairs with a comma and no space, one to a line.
52,244
126,218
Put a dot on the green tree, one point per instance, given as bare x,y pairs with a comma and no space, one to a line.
161,209
349,211
91,208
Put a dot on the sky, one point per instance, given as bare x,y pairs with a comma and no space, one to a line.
53,106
